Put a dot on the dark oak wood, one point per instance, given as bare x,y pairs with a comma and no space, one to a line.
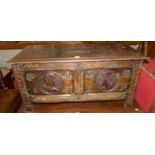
77,73
86,107
76,53
23,44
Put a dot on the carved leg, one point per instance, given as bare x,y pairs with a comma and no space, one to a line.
27,105
133,83
18,73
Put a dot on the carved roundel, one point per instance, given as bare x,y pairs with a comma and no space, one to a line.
29,76
105,80
53,83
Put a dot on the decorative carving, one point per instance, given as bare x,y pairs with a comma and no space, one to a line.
105,80
18,73
68,75
46,82
30,66
29,76
89,74
53,83
126,72
133,83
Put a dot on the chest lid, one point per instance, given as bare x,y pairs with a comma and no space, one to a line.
75,53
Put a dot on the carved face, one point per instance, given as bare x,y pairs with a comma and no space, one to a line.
45,83
50,80
105,80
52,83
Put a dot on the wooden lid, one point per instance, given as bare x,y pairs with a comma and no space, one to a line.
40,53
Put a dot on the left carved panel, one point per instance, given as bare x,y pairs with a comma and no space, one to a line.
49,82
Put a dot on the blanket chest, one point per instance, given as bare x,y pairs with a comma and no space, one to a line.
50,74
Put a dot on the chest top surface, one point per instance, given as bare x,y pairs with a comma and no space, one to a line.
41,53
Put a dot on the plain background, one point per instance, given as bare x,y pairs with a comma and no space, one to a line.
76,20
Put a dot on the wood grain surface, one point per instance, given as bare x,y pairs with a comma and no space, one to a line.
87,107
76,53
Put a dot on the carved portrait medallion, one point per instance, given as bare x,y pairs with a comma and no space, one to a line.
105,80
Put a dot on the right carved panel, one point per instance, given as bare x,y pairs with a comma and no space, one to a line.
107,80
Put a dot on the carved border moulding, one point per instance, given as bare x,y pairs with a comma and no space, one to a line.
18,73
133,82
30,66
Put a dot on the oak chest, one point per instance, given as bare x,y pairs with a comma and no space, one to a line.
50,74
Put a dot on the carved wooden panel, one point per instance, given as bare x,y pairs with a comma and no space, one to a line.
107,80
49,82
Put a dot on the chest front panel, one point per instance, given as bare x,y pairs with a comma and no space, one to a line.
100,79
49,82
107,80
